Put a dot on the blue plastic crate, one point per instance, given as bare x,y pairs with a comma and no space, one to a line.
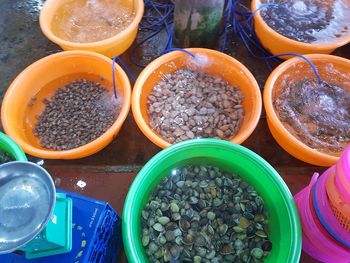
96,235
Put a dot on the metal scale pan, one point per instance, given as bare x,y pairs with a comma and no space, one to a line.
27,201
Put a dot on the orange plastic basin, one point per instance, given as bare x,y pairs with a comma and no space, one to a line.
218,64
278,44
42,79
110,47
297,69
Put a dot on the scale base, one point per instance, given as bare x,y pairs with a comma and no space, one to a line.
56,238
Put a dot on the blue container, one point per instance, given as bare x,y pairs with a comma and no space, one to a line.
96,235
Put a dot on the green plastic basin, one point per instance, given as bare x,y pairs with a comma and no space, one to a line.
285,230
9,146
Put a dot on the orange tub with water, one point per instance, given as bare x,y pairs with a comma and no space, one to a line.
278,44
298,69
218,64
109,47
41,80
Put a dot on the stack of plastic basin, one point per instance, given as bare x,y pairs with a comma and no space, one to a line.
324,207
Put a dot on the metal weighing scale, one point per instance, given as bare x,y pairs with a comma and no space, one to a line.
34,220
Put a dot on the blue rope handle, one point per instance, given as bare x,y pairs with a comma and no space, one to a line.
227,17
252,14
312,65
124,66
252,38
158,18
169,43
178,49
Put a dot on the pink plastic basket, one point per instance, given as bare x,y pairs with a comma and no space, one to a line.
342,175
308,247
340,206
318,238
324,211
312,251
